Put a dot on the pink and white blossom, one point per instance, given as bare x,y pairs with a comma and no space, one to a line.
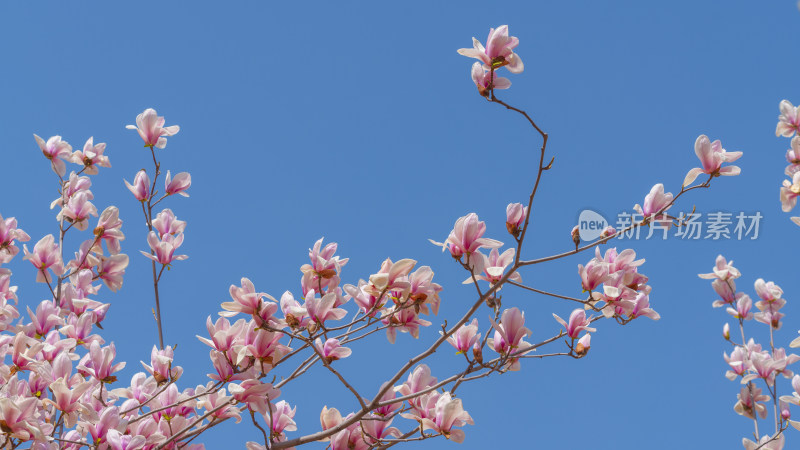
140,187
151,129
788,121
177,185
712,156
56,151
499,50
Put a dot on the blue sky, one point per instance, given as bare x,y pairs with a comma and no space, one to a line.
358,122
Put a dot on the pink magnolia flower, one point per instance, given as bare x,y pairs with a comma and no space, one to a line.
486,80
377,428
788,121
388,396
726,290
111,269
141,186
322,274
254,393
723,270
329,418
323,308
77,210
367,303
109,420
509,333
108,229
641,308
789,192
152,130
491,268
216,399
46,317
164,249
467,237
222,333
19,418
499,50
71,187
767,442
763,366
80,329
91,157
751,404
161,365
86,256
712,155
393,276
8,234
296,315
423,291
654,202
418,380
781,362
179,184
68,400
793,157
742,310
45,255
282,415
99,362
404,320
768,291
7,292
331,350
465,337
449,413
577,323
167,223
247,301
593,275
266,349
119,441
56,151
515,217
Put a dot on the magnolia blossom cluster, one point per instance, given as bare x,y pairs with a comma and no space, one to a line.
394,298
57,372
59,385
616,287
788,123
751,364
499,52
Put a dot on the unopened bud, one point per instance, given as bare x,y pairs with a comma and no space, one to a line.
583,345
726,332
477,353
576,236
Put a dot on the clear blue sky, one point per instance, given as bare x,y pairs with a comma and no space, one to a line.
358,121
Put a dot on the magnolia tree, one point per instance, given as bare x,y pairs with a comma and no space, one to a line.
754,365
59,387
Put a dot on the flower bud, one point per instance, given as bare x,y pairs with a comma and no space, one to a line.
477,352
576,236
515,217
583,345
726,332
